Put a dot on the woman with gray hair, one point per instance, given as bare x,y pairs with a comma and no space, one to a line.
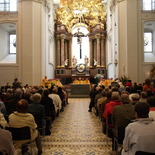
37,110
134,98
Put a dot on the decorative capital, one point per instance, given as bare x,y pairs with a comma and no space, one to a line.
112,5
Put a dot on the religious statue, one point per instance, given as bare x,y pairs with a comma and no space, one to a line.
86,60
66,62
74,61
95,63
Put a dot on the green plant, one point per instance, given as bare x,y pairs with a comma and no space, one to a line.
123,79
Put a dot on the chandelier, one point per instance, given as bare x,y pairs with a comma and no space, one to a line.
86,12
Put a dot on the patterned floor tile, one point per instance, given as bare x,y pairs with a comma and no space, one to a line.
76,132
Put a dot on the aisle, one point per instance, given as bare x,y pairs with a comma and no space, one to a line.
76,132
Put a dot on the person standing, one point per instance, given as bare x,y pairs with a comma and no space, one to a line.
16,84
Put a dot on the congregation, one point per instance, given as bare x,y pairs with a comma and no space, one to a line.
127,113
35,107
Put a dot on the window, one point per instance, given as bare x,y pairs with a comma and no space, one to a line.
148,42
8,5
148,4
4,5
12,43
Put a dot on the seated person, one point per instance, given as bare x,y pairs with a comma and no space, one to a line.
3,122
56,99
11,104
37,110
115,101
21,118
140,135
134,98
2,104
47,102
6,143
121,117
151,102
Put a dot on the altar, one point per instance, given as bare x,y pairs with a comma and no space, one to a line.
80,90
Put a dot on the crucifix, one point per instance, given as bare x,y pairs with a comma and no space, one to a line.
79,36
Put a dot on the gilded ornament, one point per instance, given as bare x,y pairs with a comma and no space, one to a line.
90,12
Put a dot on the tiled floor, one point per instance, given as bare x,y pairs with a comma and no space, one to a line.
76,132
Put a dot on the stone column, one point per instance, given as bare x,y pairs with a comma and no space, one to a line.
98,51
66,50
70,53
62,52
58,52
95,49
102,52
91,52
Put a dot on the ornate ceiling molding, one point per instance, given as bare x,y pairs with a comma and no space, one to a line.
90,12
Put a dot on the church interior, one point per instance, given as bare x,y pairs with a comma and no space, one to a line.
76,44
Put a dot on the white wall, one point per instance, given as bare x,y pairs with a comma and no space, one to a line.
4,43
122,38
48,44
37,43
25,58
132,40
8,74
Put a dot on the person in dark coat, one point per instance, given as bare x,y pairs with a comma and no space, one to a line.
49,110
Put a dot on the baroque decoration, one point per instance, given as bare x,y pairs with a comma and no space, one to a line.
90,12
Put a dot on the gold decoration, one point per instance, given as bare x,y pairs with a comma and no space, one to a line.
90,12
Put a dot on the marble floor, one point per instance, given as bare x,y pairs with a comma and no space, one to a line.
76,132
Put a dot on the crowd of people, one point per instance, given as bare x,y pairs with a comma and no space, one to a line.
127,113
22,106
